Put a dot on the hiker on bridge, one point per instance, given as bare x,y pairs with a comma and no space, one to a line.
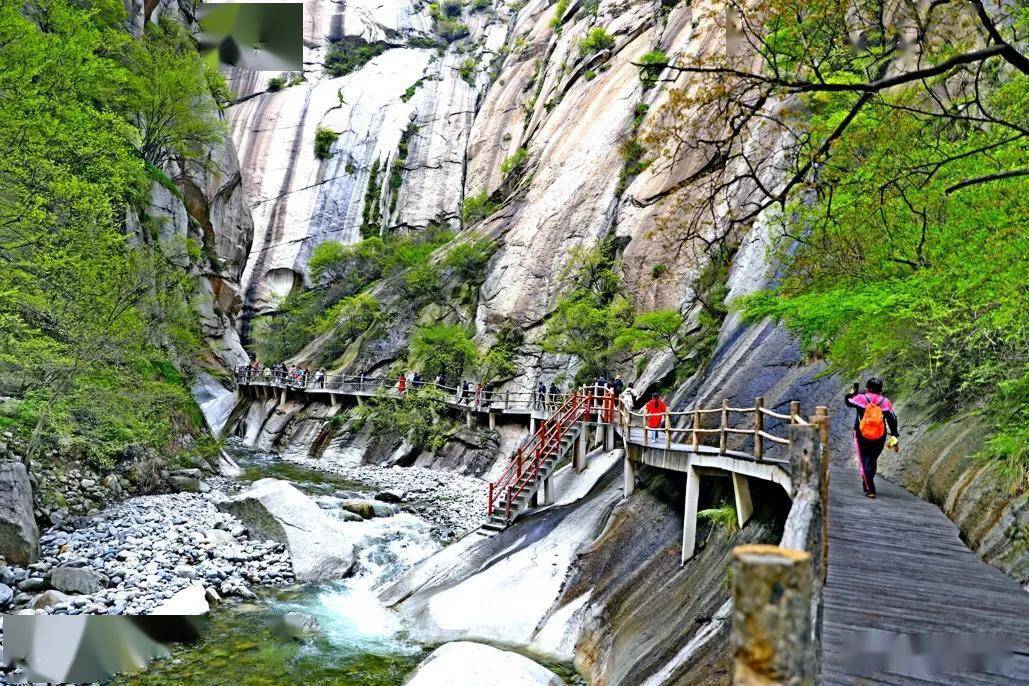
617,386
319,377
555,395
464,393
539,398
402,384
655,412
875,414
416,380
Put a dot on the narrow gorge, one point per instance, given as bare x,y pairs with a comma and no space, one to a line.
306,325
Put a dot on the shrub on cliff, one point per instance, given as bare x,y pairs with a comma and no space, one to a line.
477,207
596,39
350,54
442,349
323,141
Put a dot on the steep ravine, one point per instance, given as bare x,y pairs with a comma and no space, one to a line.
595,579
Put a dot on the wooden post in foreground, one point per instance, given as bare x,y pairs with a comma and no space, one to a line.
759,426
771,616
723,437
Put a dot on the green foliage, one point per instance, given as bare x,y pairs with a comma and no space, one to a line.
477,207
590,75
422,281
651,66
217,85
653,331
559,13
350,54
418,415
396,175
338,305
481,5
276,83
467,260
658,270
346,321
323,141
169,100
722,516
87,317
592,315
371,215
909,273
409,93
596,40
498,362
514,161
467,70
442,349
450,29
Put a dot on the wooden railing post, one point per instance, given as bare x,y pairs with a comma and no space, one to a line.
822,413
759,426
518,456
507,397
794,411
723,437
696,429
668,430
772,637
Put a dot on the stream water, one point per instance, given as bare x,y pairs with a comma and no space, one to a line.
358,642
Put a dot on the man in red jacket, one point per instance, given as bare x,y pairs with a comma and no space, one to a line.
655,411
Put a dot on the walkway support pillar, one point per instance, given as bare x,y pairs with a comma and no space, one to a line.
741,491
548,490
579,457
468,419
492,420
534,425
771,616
628,475
689,523
609,437
284,395
333,400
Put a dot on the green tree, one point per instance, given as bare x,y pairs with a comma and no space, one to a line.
169,100
596,39
653,331
442,349
467,260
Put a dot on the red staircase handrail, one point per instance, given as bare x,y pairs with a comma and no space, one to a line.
536,448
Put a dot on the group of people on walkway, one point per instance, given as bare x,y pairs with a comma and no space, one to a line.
280,374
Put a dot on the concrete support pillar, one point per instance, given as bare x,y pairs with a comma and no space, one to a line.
741,491
534,425
492,420
689,524
548,490
629,475
609,437
468,419
285,396
333,399
579,451
360,400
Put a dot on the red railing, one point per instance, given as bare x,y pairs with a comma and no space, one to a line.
536,449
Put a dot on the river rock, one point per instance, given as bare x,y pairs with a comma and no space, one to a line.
32,584
19,536
390,496
191,600
75,580
6,595
464,663
277,510
48,599
296,625
368,509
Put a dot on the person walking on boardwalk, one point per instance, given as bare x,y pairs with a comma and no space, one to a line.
875,414
655,411
402,384
555,395
540,399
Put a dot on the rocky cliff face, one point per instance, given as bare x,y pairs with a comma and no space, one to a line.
415,138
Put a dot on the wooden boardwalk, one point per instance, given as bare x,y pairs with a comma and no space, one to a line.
896,564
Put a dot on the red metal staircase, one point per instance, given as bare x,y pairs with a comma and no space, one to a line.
535,460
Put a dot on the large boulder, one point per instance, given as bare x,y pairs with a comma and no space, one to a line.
277,510
191,600
19,537
464,663
75,580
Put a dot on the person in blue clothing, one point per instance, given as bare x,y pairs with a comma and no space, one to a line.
874,419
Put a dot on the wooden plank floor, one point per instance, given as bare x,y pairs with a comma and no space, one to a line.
896,564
